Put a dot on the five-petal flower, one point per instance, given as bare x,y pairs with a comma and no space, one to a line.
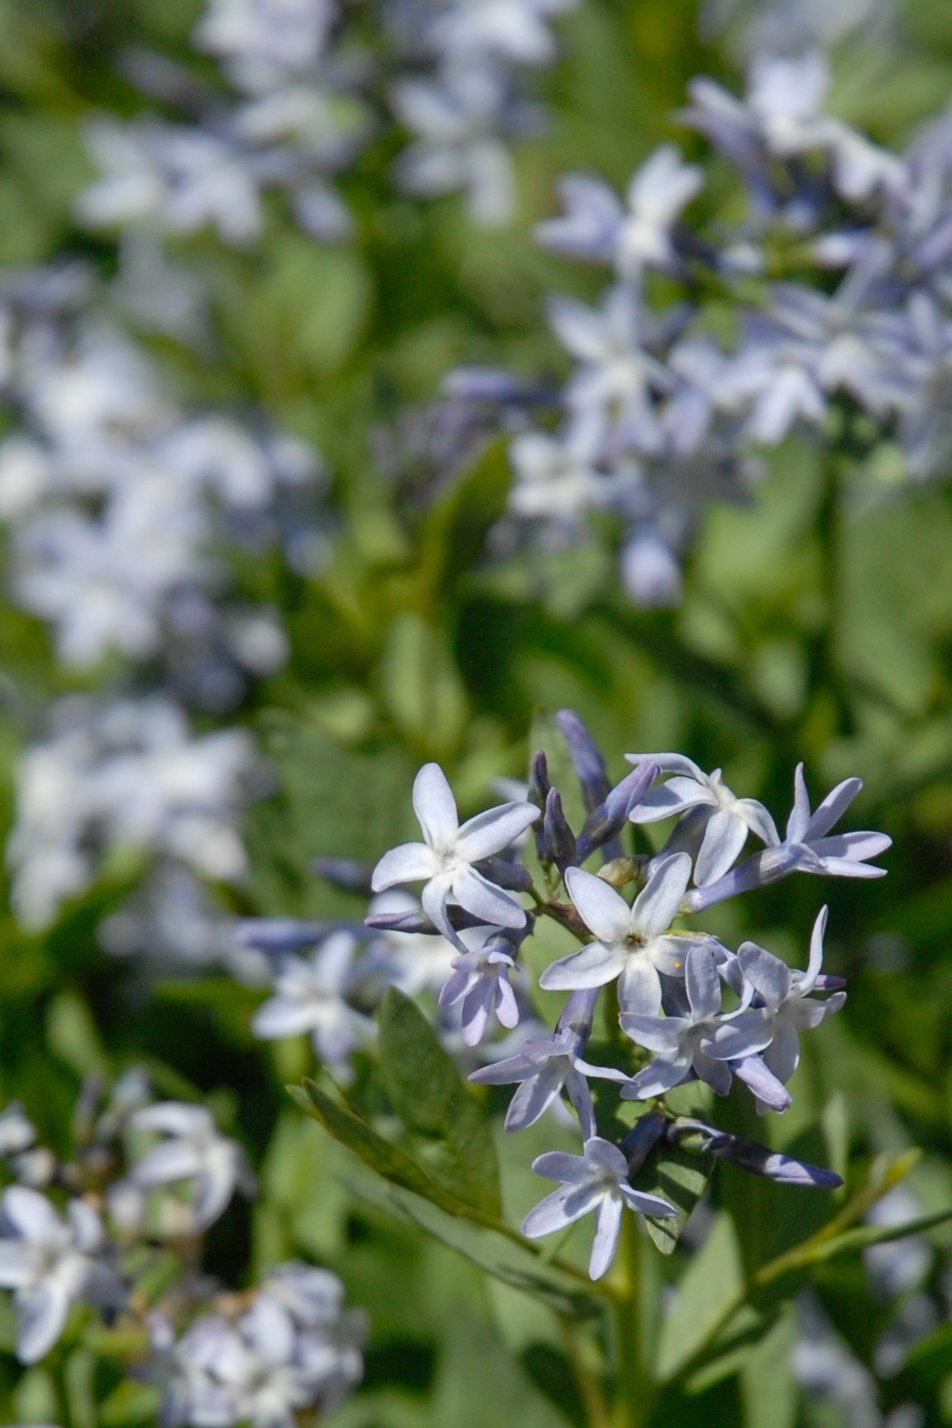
445,860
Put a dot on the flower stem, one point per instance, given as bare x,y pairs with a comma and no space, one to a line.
589,1387
632,1377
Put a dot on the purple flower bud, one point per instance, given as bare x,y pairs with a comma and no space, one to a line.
347,873
537,794
641,1139
748,1155
275,935
505,874
586,758
605,822
559,838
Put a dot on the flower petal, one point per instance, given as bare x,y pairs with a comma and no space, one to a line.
703,983
435,807
484,900
494,830
594,966
639,986
724,837
604,911
656,906
406,864
605,1243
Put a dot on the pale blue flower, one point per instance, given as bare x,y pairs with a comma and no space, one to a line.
700,1044
547,1065
785,996
447,856
723,827
193,1151
596,1181
633,943
50,1264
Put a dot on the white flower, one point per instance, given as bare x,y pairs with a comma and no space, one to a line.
596,1181
633,942
446,859
725,822
192,1150
50,1265
311,996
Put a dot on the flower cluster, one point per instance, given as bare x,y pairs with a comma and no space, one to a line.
146,1178
831,294
124,514
690,1007
303,89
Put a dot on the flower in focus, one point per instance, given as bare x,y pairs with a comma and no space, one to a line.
447,856
597,1180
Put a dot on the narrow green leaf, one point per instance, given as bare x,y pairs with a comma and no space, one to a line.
453,533
852,1241
514,1262
711,1282
350,1128
451,1134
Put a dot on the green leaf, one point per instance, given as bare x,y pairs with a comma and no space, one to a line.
450,1132
678,1176
345,1124
453,532
421,683
504,1257
711,1283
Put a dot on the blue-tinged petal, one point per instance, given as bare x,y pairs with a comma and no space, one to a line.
655,1033
483,899
594,966
807,1013
435,807
281,1017
772,1094
607,1226
807,983
766,974
661,1076
739,1035
656,906
670,763
669,799
169,1161
494,830
560,1209
559,1165
534,1097
857,846
669,954
783,1054
833,807
758,820
507,1008
703,983
604,911
715,1073
17,1264
42,1318
505,1072
799,821
30,1214
576,1087
650,1205
724,837
476,1010
433,898
409,863
639,986
605,1155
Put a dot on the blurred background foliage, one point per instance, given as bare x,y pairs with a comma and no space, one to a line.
816,625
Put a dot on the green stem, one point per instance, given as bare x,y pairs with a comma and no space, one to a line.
586,1380
633,1381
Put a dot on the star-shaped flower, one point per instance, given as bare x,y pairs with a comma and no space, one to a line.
724,820
701,1042
633,942
597,1180
786,997
447,856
